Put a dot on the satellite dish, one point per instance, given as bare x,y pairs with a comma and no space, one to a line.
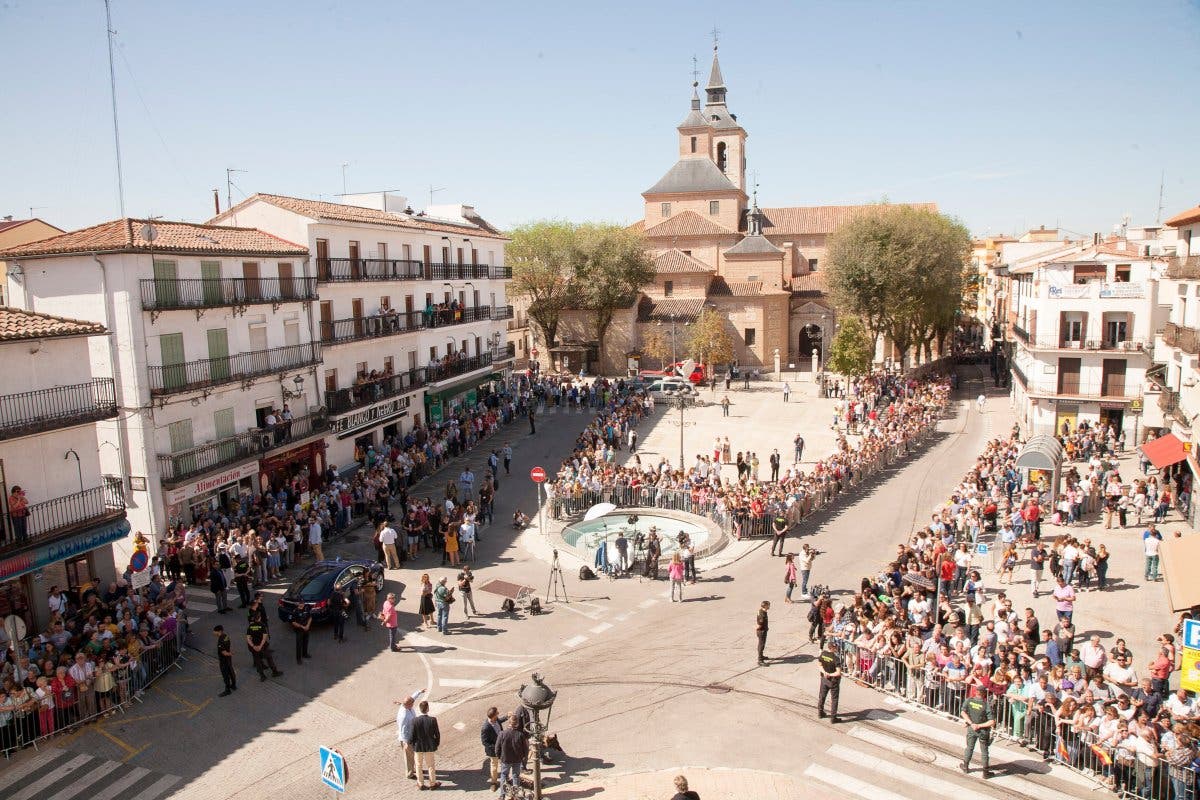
149,233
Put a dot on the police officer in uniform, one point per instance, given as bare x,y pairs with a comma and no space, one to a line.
241,579
225,660
761,626
831,683
259,642
301,625
977,712
337,613
779,526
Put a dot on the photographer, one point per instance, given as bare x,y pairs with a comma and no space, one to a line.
807,554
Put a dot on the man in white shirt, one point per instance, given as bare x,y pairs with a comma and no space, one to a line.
466,484
404,728
387,538
1121,677
1180,705
314,539
57,601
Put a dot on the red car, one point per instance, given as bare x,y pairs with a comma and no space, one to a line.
697,375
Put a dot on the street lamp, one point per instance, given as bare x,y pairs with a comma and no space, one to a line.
537,698
78,466
299,391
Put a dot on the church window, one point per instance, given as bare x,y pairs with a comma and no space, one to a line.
693,144
666,209
750,335
668,288
812,265
721,156
714,207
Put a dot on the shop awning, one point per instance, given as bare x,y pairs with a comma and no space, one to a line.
1181,571
1164,451
1040,452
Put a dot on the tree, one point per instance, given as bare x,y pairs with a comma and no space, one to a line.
852,350
655,344
610,266
542,258
710,342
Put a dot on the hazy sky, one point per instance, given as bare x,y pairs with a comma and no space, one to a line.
1007,114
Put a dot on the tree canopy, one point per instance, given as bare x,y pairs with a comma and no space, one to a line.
900,269
710,342
852,351
540,255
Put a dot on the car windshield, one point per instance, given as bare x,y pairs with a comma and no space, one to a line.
312,586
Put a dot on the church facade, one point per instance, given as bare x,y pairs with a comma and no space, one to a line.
714,247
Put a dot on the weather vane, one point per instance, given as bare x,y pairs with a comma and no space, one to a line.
695,72
715,34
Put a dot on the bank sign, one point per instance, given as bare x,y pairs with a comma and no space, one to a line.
62,549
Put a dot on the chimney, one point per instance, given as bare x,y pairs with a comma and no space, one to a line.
216,202
1095,238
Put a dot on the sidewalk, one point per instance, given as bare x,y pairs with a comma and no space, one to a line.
711,784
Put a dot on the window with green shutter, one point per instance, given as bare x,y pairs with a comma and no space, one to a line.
210,276
174,372
223,424
166,284
181,441
218,354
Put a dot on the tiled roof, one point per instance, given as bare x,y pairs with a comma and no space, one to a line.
688,223
692,174
1184,217
16,325
687,308
801,220
1093,252
638,226
754,246
126,236
810,282
8,224
340,212
722,287
675,260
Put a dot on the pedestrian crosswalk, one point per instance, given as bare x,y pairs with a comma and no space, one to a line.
55,774
902,758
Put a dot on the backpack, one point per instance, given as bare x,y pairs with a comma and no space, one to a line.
586,574
814,616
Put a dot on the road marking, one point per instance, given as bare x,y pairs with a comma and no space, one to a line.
461,683
446,661
94,774
29,765
196,605
459,726
602,627
904,774
121,784
575,641
53,776
1014,782
436,709
850,785
454,643
157,788
649,601
623,617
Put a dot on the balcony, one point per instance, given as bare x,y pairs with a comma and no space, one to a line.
336,270
451,367
1020,333
1112,390
367,393
340,331
1185,338
61,515
172,378
43,410
502,312
467,272
505,353
178,467
199,293
1106,345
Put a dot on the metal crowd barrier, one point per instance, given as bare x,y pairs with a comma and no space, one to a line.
37,721
1023,721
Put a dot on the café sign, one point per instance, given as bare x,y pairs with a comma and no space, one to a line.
344,427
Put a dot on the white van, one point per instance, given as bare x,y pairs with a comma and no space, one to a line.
669,387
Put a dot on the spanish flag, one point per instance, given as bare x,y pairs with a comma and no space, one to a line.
1064,755
1101,755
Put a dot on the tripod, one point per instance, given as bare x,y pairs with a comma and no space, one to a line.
556,582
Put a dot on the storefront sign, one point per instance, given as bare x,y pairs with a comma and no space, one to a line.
269,466
347,426
1112,406
62,549
232,475
1189,670
1122,291
1070,291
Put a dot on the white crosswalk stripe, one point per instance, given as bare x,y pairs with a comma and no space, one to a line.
56,774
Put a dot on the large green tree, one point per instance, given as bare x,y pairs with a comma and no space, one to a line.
610,267
852,350
710,342
899,268
542,258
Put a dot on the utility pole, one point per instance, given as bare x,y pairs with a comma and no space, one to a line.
229,186
1161,183
112,86
433,191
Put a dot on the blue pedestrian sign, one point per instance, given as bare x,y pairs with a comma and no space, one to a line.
981,549
1191,633
333,769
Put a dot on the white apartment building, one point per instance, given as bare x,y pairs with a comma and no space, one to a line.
1083,318
50,448
211,334
394,355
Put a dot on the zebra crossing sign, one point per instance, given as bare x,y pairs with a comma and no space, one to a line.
333,769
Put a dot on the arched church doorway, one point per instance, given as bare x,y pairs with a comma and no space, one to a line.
811,338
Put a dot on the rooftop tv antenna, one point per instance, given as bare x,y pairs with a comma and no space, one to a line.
1161,183
229,186
112,87
433,191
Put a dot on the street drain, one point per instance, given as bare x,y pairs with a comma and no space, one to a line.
921,755
718,688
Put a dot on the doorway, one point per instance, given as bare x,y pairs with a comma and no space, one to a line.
810,338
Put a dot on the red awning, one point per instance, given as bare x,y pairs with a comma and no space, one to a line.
1164,451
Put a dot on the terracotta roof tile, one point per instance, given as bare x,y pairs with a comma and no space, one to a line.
675,260
810,282
800,220
125,236
688,223
722,287
1184,217
16,325
1099,250
340,212
687,308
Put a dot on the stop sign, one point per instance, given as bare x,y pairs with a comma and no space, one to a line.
537,475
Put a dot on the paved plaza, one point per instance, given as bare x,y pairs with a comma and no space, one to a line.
647,689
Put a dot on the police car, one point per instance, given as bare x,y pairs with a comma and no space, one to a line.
313,587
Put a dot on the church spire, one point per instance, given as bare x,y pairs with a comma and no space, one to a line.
716,81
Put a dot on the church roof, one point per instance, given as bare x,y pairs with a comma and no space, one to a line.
692,174
677,261
820,219
715,79
694,119
809,283
720,118
687,308
754,246
722,287
688,223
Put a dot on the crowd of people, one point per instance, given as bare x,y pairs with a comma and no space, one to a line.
102,646
925,625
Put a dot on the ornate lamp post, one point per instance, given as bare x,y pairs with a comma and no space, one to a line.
537,698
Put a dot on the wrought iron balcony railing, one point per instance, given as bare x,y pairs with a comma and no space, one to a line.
177,467
369,269
369,392
61,515
451,367
194,293
171,378
43,410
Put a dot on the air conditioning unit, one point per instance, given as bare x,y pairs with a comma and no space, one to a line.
1092,344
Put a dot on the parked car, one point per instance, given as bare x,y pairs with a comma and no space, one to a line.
698,372
315,584
671,387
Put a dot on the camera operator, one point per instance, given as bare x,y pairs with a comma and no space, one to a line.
807,555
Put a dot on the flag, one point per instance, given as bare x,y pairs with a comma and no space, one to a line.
1064,755
1101,755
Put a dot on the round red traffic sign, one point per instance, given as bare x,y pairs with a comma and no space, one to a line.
537,475
139,561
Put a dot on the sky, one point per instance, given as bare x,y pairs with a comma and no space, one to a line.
1008,115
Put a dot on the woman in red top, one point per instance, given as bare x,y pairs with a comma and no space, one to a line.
66,697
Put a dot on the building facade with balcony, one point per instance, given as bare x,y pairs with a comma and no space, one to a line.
413,310
211,347
60,511
1083,321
